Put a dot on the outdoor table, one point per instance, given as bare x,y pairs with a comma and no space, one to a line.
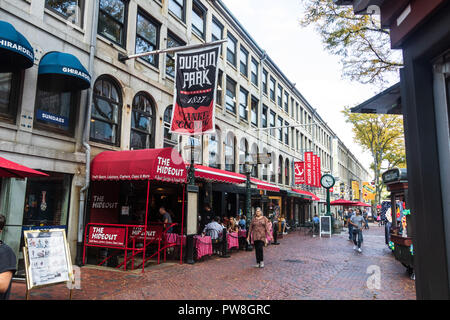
203,246
233,240
242,234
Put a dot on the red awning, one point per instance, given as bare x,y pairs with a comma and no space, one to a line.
262,185
9,169
149,164
218,175
342,202
307,193
361,204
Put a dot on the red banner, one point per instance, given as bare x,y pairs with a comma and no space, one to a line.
109,236
319,171
308,168
195,91
154,233
314,170
299,170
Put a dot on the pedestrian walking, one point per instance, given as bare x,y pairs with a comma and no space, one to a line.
366,219
349,225
259,232
7,265
357,222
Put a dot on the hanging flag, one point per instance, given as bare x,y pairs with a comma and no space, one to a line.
195,91
314,170
308,168
299,170
319,171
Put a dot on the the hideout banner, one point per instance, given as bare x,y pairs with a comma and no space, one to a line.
195,91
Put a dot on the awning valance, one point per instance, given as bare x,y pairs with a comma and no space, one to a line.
342,202
149,164
311,196
262,185
62,72
218,175
16,53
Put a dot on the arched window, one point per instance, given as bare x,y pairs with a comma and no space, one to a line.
272,168
280,170
243,153
254,154
142,123
106,111
230,152
287,170
170,139
214,149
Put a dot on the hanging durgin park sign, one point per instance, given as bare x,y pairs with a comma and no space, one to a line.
195,91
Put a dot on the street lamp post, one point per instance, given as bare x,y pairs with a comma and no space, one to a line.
248,166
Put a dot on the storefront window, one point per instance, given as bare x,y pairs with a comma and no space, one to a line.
177,8
71,10
106,112
229,153
243,153
280,170
56,110
142,123
9,93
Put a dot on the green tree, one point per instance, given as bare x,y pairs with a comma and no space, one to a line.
359,39
383,137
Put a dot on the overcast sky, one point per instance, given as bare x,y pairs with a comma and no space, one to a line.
300,54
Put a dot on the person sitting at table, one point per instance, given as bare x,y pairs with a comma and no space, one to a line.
232,226
214,230
242,223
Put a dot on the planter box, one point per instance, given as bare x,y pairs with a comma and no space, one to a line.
402,241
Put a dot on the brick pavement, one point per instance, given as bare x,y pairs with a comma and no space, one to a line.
301,267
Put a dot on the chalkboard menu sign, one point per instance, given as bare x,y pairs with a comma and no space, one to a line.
47,258
325,225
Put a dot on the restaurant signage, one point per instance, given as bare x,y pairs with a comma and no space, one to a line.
110,236
314,170
319,170
154,233
299,171
52,118
195,91
308,168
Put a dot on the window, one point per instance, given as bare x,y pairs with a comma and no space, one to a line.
243,153
217,31
286,102
272,122
272,89
287,170
264,116
71,10
229,153
254,72
230,98
244,61
177,8
254,154
280,170
56,105
231,49
264,81
112,20
219,97
280,129
106,111
280,96
254,109
142,123
9,95
198,19
170,139
265,168
243,104
172,41
286,133
214,149
147,37
272,167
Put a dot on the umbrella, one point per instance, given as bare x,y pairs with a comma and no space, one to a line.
361,204
342,202
9,169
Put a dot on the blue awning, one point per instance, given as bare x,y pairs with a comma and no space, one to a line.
62,72
16,53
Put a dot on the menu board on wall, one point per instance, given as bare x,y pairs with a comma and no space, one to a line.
47,258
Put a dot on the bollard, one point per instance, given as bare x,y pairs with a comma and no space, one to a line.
189,249
275,235
224,244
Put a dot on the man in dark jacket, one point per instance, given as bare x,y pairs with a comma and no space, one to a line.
7,265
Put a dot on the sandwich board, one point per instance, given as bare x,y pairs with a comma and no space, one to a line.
325,225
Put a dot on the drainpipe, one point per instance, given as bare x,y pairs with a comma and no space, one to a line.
87,147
